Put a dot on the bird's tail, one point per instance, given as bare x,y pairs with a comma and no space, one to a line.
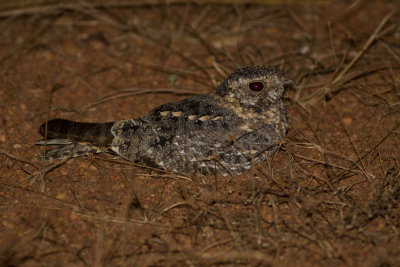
73,139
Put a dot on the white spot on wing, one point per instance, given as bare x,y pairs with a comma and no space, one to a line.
204,118
217,118
150,150
246,128
177,113
165,113
115,149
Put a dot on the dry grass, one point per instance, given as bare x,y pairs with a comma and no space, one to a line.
330,196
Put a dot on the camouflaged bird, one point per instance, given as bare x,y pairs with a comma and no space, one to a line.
226,132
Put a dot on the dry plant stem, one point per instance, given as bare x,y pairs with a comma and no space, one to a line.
275,217
197,217
28,42
5,153
396,56
339,80
301,25
235,236
41,194
51,7
342,174
134,197
173,206
76,198
218,67
194,62
188,59
320,181
331,40
277,182
133,92
371,39
257,218
348,79
170,69
216,244
96,216
195,34
362,167
124,162
325,163
49,98
99,251
40,173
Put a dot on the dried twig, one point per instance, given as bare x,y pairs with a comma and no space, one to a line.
338,81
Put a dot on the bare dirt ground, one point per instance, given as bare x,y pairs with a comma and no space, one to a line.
330,196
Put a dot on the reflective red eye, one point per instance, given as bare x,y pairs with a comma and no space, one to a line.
256,86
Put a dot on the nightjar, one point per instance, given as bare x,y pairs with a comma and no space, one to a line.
226,132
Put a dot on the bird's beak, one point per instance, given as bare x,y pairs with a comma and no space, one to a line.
287,84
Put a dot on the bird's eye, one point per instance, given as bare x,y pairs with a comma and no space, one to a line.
256,86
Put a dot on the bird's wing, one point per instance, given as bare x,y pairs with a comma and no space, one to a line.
194,114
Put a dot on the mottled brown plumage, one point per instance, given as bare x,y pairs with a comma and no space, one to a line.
226,132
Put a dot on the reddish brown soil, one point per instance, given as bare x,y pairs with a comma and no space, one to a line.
330,196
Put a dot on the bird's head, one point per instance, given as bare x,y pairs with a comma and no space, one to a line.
254,86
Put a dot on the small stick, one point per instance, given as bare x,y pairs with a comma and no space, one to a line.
371,39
